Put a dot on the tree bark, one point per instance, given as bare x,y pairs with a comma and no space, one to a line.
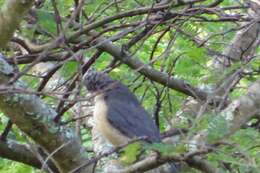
35,118
15,151
11,14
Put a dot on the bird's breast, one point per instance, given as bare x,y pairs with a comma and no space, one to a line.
102,124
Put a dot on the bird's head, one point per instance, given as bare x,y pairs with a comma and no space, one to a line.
95,81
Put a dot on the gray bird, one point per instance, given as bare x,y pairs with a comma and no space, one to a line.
118,115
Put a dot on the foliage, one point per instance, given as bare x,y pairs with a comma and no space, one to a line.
130,154
184,47
7,166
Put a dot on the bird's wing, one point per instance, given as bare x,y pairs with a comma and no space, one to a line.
127,115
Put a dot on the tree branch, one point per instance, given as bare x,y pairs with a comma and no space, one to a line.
197,163
134,63
15,151
243,109
35,118
157,160
11,14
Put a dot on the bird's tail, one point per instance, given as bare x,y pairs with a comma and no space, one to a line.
175,167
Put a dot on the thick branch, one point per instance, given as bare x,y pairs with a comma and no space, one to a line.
244,108
162,78
203,165
155,161
35,118
241,49
11,14
12,150
238,113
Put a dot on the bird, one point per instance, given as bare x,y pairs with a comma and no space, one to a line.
118,115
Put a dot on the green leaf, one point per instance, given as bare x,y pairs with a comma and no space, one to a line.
167,149
46,21
217,128
69,68
130,154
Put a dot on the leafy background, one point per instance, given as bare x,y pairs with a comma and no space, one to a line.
192,63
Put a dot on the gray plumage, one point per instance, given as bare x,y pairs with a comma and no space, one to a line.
124,113
95,81
127,115
118,113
